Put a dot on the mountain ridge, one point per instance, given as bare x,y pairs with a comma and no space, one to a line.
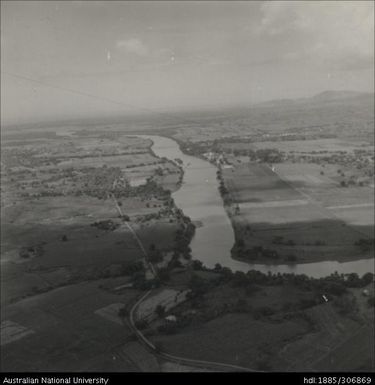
324,96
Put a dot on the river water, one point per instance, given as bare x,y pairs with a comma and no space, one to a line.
199,199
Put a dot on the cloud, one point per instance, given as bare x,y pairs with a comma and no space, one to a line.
133,46
334,33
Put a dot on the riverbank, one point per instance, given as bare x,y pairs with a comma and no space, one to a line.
199,199
300,262
336,258
256,316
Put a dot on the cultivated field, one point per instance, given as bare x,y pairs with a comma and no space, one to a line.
67,331
299,209
67,254
77,203
308,146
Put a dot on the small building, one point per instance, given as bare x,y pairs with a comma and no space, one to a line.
137,181
365,292
171,318
325,298
209,156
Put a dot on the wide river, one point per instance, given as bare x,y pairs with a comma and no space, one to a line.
199,199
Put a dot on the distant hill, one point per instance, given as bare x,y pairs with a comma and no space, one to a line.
340,95
322,97
341,114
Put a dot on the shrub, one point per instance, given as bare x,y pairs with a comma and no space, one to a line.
160,311
123,312
141,324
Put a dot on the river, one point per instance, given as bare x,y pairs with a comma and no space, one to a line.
199,199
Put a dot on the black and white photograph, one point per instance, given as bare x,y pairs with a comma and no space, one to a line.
187,187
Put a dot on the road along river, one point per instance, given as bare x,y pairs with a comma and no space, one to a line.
199,199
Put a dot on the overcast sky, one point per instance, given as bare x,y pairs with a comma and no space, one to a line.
170,55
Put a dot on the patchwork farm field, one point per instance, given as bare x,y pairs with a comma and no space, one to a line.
257,183
81,205
326,144
355,215
66,332
299,210
87,250
67,248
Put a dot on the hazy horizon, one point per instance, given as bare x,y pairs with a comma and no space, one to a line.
77,60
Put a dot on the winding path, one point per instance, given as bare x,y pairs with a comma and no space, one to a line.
179,360
139,242
147,342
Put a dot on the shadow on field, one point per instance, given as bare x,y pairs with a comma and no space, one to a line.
305,241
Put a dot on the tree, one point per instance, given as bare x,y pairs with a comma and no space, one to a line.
155,255
352,280
141,324
218,267
335,288
160,311
365,244
23,253
240,243
64,238
241,305
198,285
163,274
345,305
123,312
197,265
239,279
367,278
291,258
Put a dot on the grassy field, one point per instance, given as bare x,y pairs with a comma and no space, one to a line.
298,211
76,327
269,328
235,339
355,353
257,183
67,334
340,343
58,311
330,145
356,215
